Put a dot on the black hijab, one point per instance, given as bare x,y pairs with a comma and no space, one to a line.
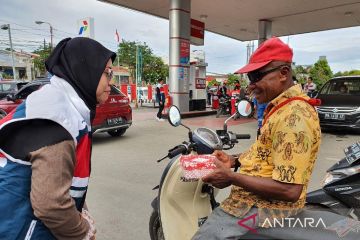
81,62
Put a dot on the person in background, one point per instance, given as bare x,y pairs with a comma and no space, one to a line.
237,86
236,90
343,89
208,94
309,87
223,90
45,147
260,109
160,97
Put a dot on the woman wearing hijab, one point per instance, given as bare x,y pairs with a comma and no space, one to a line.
45,147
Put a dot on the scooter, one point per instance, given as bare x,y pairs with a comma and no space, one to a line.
341,186
182,206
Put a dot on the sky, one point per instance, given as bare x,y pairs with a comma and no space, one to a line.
223,55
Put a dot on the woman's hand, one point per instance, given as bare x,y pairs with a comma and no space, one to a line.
92,230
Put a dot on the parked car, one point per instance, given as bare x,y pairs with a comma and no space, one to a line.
113,117
10,87
340,103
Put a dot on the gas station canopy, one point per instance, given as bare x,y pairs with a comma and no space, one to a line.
239,19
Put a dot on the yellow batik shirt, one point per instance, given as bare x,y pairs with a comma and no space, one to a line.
285,151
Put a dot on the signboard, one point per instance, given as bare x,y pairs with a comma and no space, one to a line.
197,32
184,51
200,83
86,27
183,73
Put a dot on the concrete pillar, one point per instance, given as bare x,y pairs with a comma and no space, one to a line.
264,31
179,60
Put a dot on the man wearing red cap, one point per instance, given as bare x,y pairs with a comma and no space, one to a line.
275,171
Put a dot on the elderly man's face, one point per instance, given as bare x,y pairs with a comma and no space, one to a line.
270,85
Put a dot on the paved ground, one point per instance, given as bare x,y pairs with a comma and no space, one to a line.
124,170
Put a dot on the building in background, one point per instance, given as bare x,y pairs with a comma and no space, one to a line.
121,75
23,62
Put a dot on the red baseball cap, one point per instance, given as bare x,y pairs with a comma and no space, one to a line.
272,49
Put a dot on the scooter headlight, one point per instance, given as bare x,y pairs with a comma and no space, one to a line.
327,179
337,174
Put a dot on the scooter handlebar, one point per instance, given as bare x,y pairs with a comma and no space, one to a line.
180,149
243,136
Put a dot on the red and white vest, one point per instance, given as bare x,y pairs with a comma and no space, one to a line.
58,102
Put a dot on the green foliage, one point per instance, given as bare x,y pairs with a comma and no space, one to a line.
155,70
39,62
153,66
7,76
213,82
321,72
301,73
347,73
243,83
232,79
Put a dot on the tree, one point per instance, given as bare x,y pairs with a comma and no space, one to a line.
213,83
321,72
232,79
154,68
301,73
39,62
347,73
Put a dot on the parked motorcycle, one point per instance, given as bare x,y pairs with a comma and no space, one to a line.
341,187
224,106
182,206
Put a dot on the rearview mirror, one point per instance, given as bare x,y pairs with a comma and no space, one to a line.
244,108
174,116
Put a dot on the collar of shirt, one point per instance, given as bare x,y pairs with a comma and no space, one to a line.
293,91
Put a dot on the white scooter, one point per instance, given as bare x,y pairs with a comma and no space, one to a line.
182,206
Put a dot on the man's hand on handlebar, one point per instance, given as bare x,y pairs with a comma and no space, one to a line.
227,160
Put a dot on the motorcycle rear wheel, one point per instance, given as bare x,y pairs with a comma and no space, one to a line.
155,228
